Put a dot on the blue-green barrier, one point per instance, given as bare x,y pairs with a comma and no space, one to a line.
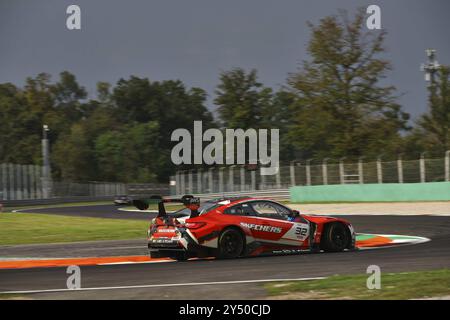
385,192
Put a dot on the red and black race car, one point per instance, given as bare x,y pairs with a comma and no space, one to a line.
234,227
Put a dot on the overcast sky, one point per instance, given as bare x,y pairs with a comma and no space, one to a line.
193,40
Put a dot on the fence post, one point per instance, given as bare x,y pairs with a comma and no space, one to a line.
341,170
177,182
400,169
379,170
292,172
253,177
25,181
183,182
5,181
325,171
19,191
221,187
308,172
191,179
37,175
360,170
278,177
422,167
12,185
231,178
32,182
199,181
447,165
210,180
263,180
242,178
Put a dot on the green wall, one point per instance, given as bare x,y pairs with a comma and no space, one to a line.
430,191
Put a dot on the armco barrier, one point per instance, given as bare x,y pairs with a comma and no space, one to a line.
383,192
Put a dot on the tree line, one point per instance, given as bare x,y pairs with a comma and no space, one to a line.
334,105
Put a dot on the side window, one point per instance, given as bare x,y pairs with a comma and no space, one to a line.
268,209
240,210
235,210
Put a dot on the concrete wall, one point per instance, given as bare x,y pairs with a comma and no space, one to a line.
386,192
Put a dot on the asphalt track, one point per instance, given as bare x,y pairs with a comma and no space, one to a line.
197,279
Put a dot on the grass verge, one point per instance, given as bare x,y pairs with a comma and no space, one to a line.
28,228
406,285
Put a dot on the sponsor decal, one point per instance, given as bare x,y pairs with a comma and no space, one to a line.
165,230
159,240
260,227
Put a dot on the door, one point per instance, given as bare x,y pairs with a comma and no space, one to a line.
274,223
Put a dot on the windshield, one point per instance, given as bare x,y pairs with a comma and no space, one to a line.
205,207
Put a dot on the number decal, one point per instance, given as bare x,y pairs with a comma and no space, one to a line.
301,231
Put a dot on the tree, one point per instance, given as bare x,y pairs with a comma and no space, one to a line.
131,154
341,108
17,144
241,99
72,157
68,95
433,130
277,115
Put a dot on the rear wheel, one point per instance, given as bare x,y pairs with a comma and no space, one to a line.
231,244
335,237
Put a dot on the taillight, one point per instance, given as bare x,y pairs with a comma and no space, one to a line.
194,225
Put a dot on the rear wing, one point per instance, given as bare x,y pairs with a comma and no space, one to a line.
190,202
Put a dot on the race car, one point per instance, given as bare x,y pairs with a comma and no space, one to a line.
122,200
240,226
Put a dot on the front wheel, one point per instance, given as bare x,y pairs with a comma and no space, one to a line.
231,244
335,237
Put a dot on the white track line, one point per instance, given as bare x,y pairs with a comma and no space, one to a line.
164,285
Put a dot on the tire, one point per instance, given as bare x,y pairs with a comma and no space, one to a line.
231,244
335,237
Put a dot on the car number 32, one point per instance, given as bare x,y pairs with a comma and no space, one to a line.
301,232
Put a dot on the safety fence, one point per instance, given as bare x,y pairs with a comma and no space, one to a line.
309,173
27,182
22,182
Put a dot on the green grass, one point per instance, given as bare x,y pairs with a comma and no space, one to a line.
409,285
28,228
7,296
